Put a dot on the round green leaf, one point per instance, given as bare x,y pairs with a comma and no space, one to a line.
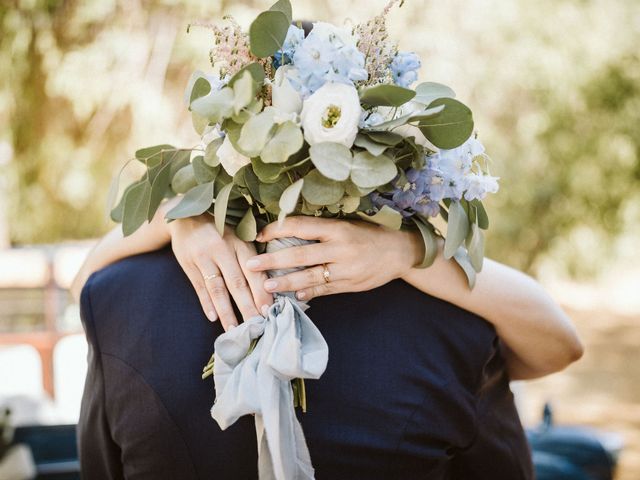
220,207
256,132
267,33
386,95
333,160
195,202
184,179
369,171
286,141
319,190
457,229
247,229
386,216
451,127
289,199
427,92
136,207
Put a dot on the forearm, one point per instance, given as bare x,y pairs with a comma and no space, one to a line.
114,246
540,337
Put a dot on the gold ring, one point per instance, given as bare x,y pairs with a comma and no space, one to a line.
325,273
213,275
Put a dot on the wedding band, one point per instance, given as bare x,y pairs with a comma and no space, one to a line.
325,273
213,275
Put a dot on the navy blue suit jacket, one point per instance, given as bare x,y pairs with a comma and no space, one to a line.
415,387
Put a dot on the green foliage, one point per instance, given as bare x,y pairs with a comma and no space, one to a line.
386,95
451,127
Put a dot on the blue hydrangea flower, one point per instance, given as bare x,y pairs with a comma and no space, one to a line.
447,174
404,68
294,37
327,54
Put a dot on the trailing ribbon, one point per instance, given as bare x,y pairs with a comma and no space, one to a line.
258,381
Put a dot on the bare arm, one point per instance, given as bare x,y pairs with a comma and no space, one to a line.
113,247
537,336
213,264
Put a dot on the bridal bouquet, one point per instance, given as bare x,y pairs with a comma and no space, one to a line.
325,124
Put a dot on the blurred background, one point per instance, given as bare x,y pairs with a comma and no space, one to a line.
555,90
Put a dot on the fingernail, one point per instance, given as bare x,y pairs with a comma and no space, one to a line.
259,237
231,326
212,316
301,295
270,285
264,309
253,263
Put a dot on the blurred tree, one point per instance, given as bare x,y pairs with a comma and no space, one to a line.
572,196
555,96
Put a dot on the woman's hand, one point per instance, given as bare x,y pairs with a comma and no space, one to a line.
359,255
216,267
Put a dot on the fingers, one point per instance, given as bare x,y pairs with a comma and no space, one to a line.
256,280
237,284
217,291
330,288
301,226
195,277
301,279
306,255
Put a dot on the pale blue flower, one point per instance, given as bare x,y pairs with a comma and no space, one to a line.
327,54
404,68
294,38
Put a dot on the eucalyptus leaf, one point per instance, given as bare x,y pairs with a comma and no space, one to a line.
374,148
215,106
369,171
475,247
184,179
203,172
386,95
255,133
244,90
201,87
268,32
289,199
117,212
266,172
427,92
199,123
159,189
270,194
386,216
136,206
255,69
286,141
353,190
195,202
333,160
404,119
430,242
451,128
388,138
457,228
247,229
283,6
152,156
220,207
210,152
481,214
462,259
320,190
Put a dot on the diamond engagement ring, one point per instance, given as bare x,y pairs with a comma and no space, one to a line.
213,275
325,273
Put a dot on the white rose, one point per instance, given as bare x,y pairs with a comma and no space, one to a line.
331,114
231,159
283,96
